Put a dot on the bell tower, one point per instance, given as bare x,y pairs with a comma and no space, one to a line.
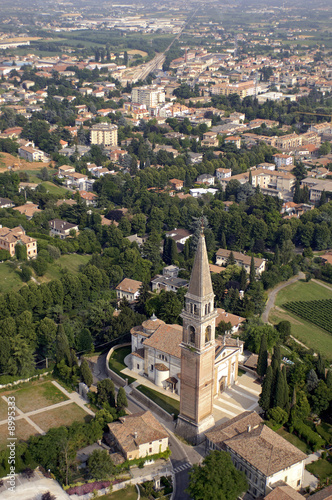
197,351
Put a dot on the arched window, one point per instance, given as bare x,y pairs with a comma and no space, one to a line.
191,331
191,308
209,308
208,334
206,309
195,309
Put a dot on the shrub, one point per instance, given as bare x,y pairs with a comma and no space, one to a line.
311,437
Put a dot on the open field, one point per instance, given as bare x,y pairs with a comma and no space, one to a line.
37,395
64,415
140,52
9,278
22,432
9,160
3,409
54,189
71,262
303,291
312,336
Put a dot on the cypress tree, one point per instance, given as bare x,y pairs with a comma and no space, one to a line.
230,260
277,256
262,357
276,358
250,177
173,252
265,396
320,367
329,379
243,279
62,346
223,241
186,250
286,389
252,274
166,256
278,394
121,401
86,374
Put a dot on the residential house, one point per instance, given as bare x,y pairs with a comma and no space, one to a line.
171,271
234,139
207,179
167,283
89,198
282,160
198,192
61,228
241,259
176,184
128,289
32,186
263,455
9,238
29,209
138,435
223,173
180,236
235,320
6,203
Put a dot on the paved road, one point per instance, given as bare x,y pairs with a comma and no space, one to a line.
182,456
273,294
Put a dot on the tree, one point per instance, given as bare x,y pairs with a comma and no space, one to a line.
84,341
121,401
265,396
321,398
86,374
61,346
21,251
320,367
329,379
206,482
278,395
100,464
284,328
26,274
106,392
276,358
277,415
262,357
252,273
230,260
312,380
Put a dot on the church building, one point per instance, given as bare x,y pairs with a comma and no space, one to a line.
188,359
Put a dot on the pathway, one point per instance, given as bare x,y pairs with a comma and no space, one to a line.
75,398
274,292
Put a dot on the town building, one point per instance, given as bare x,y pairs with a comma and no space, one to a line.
241,259
265,457
223,173
128,289
9,238
138,435
61,228
29,153
105,134
167,283
150,96
29,209
282,160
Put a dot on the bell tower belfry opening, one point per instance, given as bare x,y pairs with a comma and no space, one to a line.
197,351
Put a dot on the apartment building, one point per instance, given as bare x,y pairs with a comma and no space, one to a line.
150,95
282,160
317,187
105,134
29,153
223,173
9,238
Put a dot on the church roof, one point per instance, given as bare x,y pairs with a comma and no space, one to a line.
167,339
200,282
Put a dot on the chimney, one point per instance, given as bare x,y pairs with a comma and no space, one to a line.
248,428
135,435
237,341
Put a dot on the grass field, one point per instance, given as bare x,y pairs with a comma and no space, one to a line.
303,291
168,404
311,335
293,439
9,278
125,494
321,468
37,395
71,262
22,432
54,189
65,415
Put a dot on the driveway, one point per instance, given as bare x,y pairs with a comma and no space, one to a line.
273,294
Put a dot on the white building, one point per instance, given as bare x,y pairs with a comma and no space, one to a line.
151,95
263,455
223,173
128,289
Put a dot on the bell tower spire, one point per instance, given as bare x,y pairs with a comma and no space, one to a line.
197,350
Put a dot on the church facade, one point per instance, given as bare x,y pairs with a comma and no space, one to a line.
188,359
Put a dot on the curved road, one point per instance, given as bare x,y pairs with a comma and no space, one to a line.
180,460
273,294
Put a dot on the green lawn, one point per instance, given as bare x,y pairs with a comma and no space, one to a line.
54,189
9,278
72,262
168,404
125,494
311,335
302,291
322,469
293,440
116,362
